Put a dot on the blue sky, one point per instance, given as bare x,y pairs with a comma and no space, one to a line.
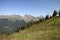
30,7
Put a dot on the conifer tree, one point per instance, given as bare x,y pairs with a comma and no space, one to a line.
47,16
54,13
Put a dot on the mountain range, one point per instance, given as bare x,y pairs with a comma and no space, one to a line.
9,23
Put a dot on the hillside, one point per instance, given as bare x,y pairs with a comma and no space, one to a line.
47,30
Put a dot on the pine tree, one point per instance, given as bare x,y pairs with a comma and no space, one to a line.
47,16
54,13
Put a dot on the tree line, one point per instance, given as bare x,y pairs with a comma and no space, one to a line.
55,13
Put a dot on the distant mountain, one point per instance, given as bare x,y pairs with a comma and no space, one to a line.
13,18
9,23
40,17
29,18
26,18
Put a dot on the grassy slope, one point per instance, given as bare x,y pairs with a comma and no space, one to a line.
48,30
